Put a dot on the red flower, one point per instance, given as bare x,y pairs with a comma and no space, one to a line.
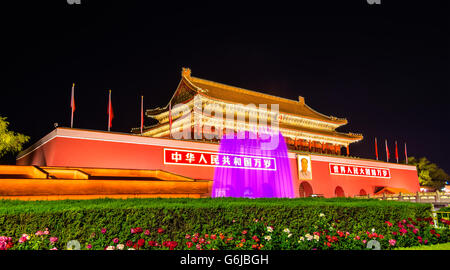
160,230
189,244
103,230
244,232
206,236
388,223
254,246
147,232
255,238
141,242
432,231
213,237
202,240
394,233
129,243
438,235
243,240
152,243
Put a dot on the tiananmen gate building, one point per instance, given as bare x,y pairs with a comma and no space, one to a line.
157,165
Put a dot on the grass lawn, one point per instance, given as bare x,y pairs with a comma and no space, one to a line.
445,246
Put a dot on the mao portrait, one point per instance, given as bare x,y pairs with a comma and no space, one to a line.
304,168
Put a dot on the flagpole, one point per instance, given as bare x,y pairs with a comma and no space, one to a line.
170,119
72,103
109,110
396,151
142,113
406,154
376,148
387,151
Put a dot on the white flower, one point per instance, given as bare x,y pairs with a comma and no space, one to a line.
120,246
110,248
373,229
131,249
321,215
316,237
268,237
286,230
301,239
309,237
289,235
269,229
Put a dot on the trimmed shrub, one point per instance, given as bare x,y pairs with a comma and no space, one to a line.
78,219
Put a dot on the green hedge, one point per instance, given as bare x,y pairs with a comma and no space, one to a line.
77,219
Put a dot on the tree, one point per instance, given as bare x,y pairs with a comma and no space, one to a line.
10,141
429,173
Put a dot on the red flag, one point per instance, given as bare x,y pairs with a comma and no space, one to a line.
406,155
396,151
170,119
376,148
72,104
142,113
387,151
323,147
110,112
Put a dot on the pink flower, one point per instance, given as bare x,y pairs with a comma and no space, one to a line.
22,239
46,232
364,241
198,246
187,236
133,230
39,233
89,246
426,241
54,248
147,232
103,230
53,239
116,240
357,237
415,231
392,242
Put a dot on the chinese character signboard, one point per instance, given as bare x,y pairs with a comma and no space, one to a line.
210,159
357,170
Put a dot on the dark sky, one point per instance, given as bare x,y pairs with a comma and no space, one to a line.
383,67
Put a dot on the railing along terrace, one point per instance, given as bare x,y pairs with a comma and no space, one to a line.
431,197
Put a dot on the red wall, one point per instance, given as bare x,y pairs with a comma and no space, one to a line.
82,148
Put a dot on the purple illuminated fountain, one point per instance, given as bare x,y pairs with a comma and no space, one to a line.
247,168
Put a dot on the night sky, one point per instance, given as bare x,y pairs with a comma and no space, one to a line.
383,67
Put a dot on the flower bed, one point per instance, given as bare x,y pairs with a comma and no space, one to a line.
323,234
223,219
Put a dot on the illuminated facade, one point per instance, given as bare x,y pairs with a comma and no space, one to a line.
302,127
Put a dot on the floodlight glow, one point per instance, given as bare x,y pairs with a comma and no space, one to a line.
248,182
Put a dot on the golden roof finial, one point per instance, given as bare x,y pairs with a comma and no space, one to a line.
186,72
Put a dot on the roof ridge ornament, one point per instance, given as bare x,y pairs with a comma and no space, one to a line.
186,72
